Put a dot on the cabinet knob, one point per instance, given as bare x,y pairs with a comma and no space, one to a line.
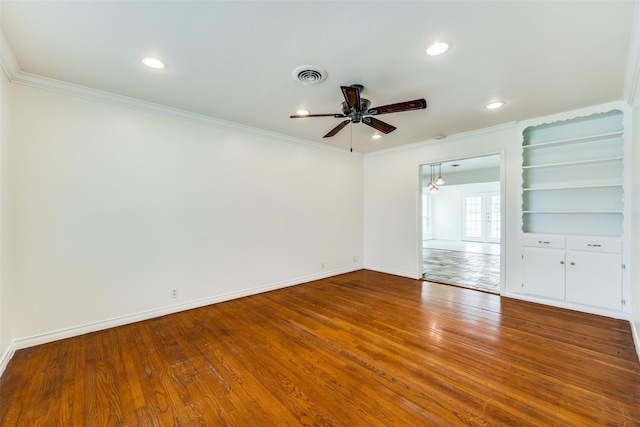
561,262
573,263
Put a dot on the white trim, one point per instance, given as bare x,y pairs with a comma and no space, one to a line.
150,314
476,132
15,75
153,108
569,115
570,306
8,62
6,357
503,207
632,69
409,275
636,336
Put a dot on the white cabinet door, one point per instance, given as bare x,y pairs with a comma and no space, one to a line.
594,278
543,272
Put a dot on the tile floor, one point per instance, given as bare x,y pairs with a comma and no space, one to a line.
475,270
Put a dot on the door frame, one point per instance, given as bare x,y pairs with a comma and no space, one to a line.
503,216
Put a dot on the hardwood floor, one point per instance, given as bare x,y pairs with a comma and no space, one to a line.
360,349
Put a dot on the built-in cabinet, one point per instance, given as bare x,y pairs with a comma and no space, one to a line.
573,220
581,270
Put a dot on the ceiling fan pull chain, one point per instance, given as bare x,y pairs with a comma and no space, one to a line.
351,128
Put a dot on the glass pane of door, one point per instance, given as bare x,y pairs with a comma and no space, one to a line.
473,209
481,217
493,218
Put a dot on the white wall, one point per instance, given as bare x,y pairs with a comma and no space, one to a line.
115,207
446,208
635,223
392,189
6,335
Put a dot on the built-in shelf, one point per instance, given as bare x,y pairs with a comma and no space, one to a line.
573,176
573,209
572,212
575,163
573,187
578,140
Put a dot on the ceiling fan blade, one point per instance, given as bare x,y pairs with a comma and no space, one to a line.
302,116
417,104
337,129
378,124
351,95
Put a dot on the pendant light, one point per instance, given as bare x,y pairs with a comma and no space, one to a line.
440,179
433,188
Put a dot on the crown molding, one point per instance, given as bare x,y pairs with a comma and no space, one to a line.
632,70
12,70
476,132
8,62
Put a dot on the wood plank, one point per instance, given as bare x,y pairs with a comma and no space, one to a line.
362,348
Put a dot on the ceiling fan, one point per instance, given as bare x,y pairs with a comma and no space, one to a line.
357,109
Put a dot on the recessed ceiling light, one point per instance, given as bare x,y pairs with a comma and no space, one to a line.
153,63
376,136
494,105
302,112
437,48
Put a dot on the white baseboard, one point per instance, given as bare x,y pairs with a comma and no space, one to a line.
6,357
569,306
410,275
635,333
145,315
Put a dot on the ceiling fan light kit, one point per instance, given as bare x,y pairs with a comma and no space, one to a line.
356,109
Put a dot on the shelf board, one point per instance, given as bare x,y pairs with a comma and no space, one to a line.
572,212
574,140
572,187
575,163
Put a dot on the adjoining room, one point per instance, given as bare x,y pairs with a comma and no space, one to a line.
461,223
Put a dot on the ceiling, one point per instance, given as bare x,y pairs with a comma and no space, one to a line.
233,60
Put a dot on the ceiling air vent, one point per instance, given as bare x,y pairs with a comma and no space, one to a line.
309,74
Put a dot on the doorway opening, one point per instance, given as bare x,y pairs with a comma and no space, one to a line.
461,222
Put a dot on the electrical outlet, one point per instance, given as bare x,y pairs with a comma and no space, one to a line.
356,258
174,293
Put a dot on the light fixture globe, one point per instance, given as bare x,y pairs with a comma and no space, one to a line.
440,178
431,187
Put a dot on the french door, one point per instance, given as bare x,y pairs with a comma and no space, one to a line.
481,217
